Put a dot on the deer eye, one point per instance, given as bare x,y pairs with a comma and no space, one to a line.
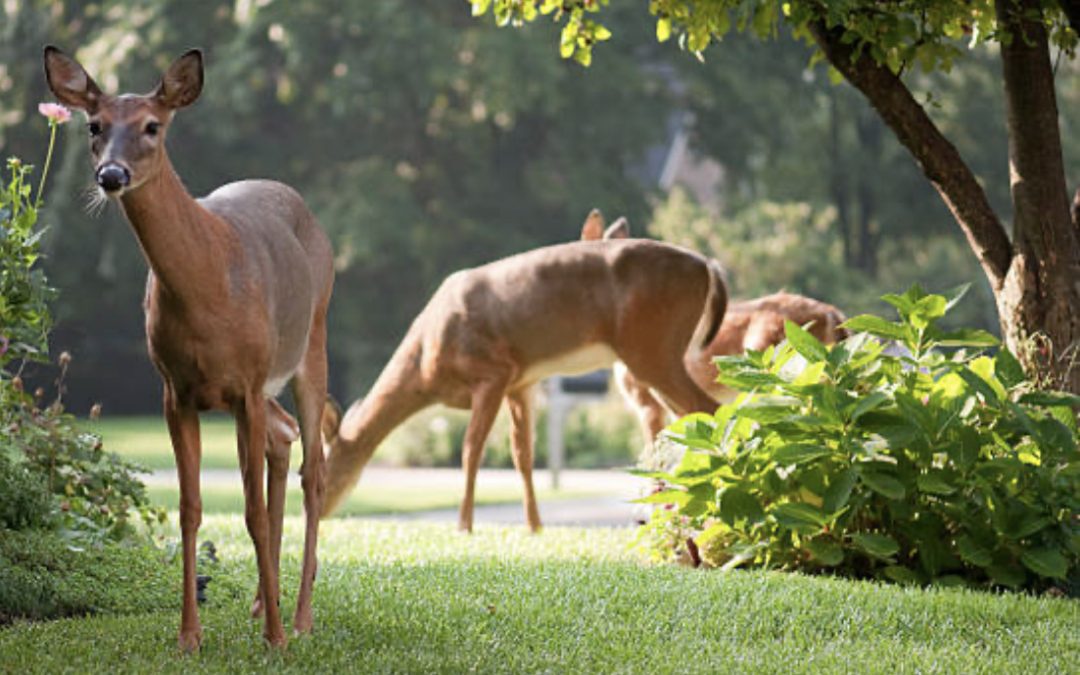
152,128
94,128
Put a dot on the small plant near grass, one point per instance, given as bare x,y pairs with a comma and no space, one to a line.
903,453
68,544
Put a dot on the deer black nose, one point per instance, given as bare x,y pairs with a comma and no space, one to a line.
112,177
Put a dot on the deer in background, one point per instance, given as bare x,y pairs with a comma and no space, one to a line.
490,333
748,324
236,302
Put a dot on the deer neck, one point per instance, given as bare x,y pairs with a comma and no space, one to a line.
185,245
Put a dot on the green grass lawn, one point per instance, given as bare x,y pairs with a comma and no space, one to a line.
146,440
368,498
419,597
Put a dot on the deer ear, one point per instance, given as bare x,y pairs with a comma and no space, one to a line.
593,229
69,81
182,83
331,419
620,229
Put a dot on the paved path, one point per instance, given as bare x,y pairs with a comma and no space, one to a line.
608,505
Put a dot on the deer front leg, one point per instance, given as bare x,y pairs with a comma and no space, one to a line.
183,423
309,390
281,432
485,405
251,447
521,442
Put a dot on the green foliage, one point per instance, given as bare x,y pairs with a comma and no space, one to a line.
43,578
24,494
24,292
96,494
907,33
916,465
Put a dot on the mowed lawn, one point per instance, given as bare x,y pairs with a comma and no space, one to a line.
146,441
420,597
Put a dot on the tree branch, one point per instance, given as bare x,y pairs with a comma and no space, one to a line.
935,155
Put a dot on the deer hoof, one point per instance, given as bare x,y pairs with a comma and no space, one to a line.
190,641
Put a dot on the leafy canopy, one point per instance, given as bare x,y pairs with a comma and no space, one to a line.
927,33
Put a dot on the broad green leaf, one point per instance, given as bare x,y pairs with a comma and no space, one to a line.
984,368
800,453
1050,398
878,545
825,551
803,342
876,326
1012,576
867,403
839,490
800,517
883,484
1008,369
973,552
967,337
676,497
903,575
737,505
1046,562
935,482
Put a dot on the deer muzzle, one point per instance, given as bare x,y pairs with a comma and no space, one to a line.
112,177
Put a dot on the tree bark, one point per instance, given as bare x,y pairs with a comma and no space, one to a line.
936,156
1039,303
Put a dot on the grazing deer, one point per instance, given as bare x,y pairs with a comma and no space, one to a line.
490,333
235,304
749,324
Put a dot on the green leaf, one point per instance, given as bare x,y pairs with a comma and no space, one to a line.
934,482
663,29
883,484
1007,575
868,403
804,343
875,325
676,497
1050,398
825,551
738,505
800,453
878,545
839,490
903,575
1046,562
967,337
973,552
1008,369
798,516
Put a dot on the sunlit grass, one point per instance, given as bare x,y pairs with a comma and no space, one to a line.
419,597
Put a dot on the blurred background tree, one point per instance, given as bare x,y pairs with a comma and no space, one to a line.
426,141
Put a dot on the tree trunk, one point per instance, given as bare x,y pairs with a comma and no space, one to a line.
1036,282
1039,303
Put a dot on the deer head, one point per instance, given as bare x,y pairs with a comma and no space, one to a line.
127,132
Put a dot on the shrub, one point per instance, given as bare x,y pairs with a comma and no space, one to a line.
42,577
914,464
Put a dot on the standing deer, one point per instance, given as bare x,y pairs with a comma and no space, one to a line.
490,333
236,302
748,324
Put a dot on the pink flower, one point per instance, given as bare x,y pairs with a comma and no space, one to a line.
54,112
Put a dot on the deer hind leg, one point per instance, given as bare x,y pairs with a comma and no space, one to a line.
668,377
183,422
651,413
486,398
281,431
309,390
251,447
521,443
